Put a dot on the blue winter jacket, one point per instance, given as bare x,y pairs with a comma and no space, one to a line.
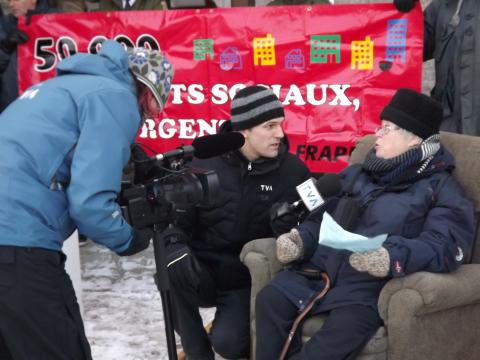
63,145
428,229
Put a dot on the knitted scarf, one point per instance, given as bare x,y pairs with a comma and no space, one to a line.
410,164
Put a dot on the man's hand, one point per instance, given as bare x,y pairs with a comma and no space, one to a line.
404,5
376,262
14,38
141,240
289,247
283,217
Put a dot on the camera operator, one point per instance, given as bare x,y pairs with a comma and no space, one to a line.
203,263
63,145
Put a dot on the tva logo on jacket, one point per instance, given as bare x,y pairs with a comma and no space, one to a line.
266,188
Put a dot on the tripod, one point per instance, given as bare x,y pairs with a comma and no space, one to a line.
163,285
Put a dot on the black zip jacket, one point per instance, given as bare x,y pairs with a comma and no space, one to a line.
241,213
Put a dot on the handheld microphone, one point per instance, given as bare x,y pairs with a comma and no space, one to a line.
312,192
205,147
283,216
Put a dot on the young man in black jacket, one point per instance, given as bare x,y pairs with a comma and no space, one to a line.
205,269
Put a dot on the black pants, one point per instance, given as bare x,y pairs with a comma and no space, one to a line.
39,314
230,334
343,335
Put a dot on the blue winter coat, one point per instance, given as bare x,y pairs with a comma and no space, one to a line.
63,145
428,231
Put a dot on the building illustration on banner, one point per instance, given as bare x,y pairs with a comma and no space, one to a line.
396,39
202,48
362,54
295,60
230,59
264,51
325,49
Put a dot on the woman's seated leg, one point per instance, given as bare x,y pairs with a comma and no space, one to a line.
274,315
343,335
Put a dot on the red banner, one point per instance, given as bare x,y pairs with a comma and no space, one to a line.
333,67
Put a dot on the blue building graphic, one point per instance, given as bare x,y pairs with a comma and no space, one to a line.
295,60
396,39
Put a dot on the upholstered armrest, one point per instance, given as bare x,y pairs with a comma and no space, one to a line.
260,257
423,293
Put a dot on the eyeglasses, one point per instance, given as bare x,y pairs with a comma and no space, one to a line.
385,129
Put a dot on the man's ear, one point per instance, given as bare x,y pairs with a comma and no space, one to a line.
244,133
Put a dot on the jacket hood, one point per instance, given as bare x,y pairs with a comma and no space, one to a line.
110,62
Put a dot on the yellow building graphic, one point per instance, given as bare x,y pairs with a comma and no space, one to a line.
264,51
362,54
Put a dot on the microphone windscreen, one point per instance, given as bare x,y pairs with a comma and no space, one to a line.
217,144
329,184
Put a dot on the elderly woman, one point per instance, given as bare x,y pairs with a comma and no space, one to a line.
412,216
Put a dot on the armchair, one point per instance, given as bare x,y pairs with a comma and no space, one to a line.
426,315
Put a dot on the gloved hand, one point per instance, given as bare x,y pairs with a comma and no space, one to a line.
14,38
404,5
289,247
183,267
141,240
376,262
283,217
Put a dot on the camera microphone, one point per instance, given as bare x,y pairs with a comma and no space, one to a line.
205,147
217,144
182,151
312,192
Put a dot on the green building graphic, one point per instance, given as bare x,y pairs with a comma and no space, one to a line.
325,49
202,48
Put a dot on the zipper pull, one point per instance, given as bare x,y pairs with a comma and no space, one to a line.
249,166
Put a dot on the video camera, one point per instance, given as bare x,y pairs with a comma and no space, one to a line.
156,189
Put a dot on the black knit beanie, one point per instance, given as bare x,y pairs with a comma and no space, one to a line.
254,105
414,112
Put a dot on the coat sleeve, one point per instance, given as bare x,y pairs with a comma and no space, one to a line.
445,240
430,18
310,229
108,123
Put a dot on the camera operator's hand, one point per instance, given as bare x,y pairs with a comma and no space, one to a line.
183,267
141,240
14,38
404,5
283,217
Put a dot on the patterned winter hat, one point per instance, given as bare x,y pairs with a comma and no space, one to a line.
153,70
254,105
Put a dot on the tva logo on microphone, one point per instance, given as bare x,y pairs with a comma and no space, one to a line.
310,196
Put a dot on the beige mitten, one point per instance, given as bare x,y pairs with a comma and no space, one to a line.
289,247
376,262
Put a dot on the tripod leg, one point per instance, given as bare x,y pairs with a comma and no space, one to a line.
163,285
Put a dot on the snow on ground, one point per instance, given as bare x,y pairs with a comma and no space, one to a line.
122,308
